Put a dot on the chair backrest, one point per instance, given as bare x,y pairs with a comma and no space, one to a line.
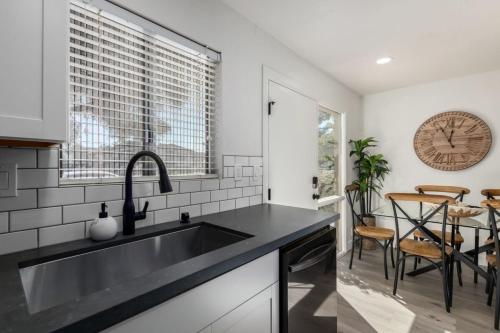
491,193
352,194
458,191
493,206
419,222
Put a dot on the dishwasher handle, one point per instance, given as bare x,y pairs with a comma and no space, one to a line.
305,262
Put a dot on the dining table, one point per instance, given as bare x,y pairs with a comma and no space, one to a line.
417,211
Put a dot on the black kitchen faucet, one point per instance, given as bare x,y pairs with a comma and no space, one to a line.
129,213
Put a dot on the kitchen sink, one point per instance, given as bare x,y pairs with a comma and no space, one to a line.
54,282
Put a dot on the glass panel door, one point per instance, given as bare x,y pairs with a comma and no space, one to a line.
329,153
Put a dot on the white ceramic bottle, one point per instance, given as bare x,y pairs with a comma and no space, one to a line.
104,227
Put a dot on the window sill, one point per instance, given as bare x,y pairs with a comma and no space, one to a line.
121,180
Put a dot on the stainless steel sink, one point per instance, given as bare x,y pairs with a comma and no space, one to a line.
58,281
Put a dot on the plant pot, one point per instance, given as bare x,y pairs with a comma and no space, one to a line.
369,244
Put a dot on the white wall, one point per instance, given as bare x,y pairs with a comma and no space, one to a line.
245,49
394,116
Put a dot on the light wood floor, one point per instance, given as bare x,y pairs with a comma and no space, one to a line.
366,303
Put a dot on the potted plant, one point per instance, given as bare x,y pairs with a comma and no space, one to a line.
371,170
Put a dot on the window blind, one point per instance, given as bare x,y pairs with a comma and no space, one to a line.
131,90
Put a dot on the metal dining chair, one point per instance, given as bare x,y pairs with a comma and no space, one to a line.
493,259
432,249
360,230
458,193
490,194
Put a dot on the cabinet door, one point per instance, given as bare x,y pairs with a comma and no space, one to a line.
34,66
258,314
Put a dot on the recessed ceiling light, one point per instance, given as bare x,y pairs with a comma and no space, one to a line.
384,60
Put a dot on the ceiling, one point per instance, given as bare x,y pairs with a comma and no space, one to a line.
429,40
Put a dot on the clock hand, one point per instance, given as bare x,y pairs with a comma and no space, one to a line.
447,139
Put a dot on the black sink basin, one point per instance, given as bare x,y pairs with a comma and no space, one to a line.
55,282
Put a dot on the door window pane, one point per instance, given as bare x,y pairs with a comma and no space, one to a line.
329,139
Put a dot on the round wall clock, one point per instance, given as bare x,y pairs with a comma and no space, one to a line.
452,141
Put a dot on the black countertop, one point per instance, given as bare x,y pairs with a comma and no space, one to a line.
272,226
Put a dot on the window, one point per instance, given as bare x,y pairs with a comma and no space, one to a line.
133,89
329,151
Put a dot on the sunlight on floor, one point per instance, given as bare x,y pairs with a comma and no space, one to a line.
382,312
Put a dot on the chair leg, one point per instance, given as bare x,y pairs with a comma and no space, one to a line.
497,302
403,266
396,271
444,275
415,263
385,260
490,285
392,253
488,282
459,268
360,247
450,280
352,250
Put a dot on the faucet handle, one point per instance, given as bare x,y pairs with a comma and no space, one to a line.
146,205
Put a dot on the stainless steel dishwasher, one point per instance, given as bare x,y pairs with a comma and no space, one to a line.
308,300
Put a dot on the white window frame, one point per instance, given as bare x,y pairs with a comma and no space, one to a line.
155,29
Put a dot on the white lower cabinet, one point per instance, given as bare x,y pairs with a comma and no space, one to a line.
258,314
243,300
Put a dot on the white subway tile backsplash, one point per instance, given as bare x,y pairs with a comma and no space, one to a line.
247,171
210,208
35,218
255,200
228,172
200,197
218,195
177,200
258,189
61,233
241,160
60,196
242,202
37,178
193,210
210,184
227,205
244,181
25,199
18,241
167,215
175,188
255,161
255,181
141,190
229,160
155,203
234,193
24,158
44,213
77,213
48,158
248,191
100,193
190,186
4,222
227,183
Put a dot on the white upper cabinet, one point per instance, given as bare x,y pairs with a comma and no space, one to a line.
34,70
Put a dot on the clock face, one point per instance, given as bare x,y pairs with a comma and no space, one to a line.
452,141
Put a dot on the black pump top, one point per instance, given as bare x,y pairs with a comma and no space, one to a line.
103,214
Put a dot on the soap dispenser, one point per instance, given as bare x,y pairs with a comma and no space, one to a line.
104,227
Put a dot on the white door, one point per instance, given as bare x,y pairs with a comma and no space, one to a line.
292,147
